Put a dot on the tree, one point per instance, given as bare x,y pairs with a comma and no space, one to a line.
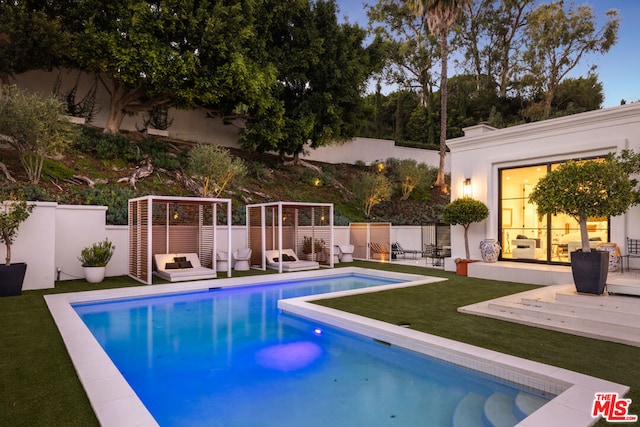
32,126
322,70
578,95
171,51
441,15
490,33
465,211
214,167
409,47
29,39
558,39
13,212
408,173
372,188
589,188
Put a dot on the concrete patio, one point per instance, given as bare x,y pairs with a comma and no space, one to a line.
614,316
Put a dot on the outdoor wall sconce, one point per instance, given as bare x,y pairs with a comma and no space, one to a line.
466,188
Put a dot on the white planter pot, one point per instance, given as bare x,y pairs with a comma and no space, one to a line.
94,274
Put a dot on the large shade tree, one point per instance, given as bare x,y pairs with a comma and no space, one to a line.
30,38
558,38
490,35
322,70
183,52
441,16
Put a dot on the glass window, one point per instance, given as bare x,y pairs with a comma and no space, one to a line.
525,236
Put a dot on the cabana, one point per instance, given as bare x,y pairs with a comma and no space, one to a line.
290,228
371,240
186,227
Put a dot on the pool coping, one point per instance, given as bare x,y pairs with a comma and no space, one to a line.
116,404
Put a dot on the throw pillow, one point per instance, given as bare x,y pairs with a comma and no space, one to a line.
185,264
171,266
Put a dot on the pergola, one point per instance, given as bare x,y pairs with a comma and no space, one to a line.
371,240
167,224
286,225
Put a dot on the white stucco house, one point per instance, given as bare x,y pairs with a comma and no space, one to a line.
503,165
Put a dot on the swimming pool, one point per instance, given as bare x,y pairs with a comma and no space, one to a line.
227,357
112,397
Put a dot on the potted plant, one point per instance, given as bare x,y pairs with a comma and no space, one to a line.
312,247
464,211
14,212
584,189
94,260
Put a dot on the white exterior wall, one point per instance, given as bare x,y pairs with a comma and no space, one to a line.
482,152
77,227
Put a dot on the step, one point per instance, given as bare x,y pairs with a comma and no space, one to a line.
606,314
625,303
624,288
516,312
469,411
596,320
498,410
527,403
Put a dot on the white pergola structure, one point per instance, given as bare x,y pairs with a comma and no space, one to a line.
168,224
285,225
371,240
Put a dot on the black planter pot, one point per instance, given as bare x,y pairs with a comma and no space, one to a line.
590,271
11,278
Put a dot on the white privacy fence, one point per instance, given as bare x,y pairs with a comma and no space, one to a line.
51,239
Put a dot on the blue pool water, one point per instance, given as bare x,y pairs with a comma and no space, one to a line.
227,357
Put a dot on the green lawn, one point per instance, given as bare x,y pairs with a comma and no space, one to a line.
39,386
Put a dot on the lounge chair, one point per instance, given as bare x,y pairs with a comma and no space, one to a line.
379,251
397,250
181,267
290,261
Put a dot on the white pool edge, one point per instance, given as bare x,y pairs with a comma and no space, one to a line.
116,404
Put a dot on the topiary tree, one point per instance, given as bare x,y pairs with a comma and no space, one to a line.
589,188
14,211
464,212
33,127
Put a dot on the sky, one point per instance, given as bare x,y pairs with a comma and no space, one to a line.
618,70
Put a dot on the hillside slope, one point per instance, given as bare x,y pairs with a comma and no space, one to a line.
98,169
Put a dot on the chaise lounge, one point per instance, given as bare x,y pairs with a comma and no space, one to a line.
181,267
290,261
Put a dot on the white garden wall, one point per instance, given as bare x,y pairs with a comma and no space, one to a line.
51,239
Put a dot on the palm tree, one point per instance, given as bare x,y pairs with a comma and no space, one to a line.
441,15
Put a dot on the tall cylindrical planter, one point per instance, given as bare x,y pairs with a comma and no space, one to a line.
590,270
490,250
11,279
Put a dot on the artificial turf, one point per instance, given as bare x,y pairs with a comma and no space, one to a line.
39,386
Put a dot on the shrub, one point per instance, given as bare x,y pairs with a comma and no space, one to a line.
215,168
33,128
97,255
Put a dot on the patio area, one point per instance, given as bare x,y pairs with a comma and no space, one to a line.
556,305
